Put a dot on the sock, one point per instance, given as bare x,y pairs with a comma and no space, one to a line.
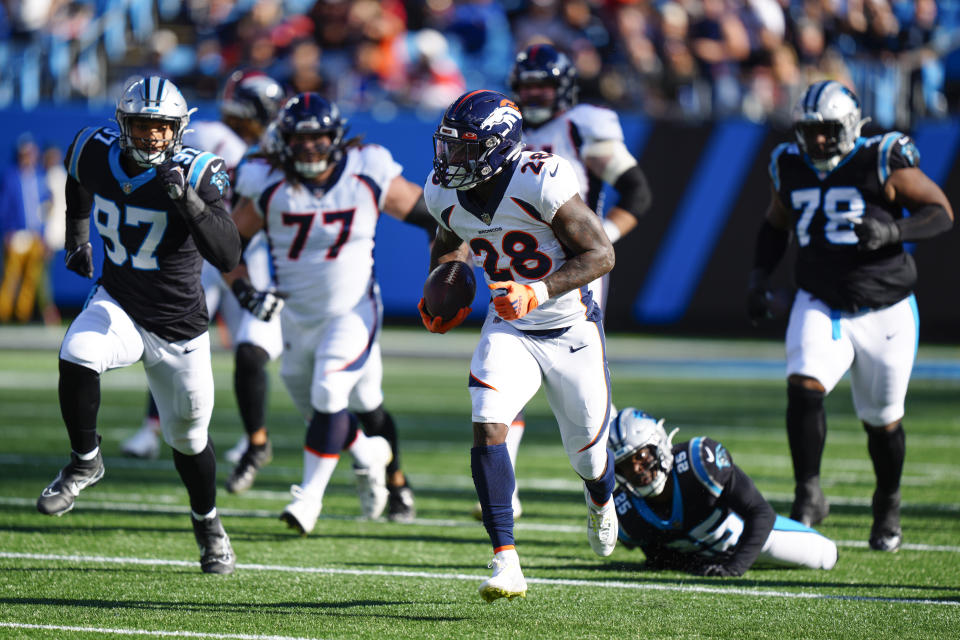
602,488
887,450
250,385
806,430
79,390
199,475
380,423
317,471
494,480
361,450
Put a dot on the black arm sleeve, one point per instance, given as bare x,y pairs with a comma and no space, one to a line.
420,216
634,192
79,204
212,229
741,495
770,247
926,222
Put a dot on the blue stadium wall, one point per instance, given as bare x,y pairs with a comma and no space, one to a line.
682,271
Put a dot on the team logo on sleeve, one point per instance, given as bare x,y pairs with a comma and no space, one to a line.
723,459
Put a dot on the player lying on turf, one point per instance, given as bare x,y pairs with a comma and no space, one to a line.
688,507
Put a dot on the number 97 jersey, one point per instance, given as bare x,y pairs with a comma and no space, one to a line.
511,238
826,205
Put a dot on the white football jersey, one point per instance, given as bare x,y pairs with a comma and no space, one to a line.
321,242
568,133
218,138
515,241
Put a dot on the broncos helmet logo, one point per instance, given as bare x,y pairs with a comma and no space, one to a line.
506,114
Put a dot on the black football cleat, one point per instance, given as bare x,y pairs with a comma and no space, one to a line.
810,506
400,506
885,534
59,496
243,475
216,554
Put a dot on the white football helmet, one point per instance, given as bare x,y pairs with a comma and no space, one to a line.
633,430
830,109
155,98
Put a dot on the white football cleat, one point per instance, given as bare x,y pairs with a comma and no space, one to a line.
372,480
507,580
602,525
145,443
234,453
302,513
517,508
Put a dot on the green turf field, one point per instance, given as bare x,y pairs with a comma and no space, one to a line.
123,563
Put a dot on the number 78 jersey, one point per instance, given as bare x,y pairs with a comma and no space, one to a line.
321,240
511,237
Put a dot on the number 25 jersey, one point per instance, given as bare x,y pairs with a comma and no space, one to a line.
826,204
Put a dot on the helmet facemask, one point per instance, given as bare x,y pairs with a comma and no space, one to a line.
631,432
827,123
462,164
309,155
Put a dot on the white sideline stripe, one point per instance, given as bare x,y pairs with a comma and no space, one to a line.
266,513
144,632
604,584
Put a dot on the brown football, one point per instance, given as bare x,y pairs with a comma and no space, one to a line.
449,288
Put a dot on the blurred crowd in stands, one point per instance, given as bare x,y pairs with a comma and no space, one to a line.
689,59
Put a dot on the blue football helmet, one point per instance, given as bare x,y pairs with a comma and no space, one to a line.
309,113
829,109
251,95
631,431
479,135
541,64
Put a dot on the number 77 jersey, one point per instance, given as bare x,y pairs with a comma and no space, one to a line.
511,238
322,238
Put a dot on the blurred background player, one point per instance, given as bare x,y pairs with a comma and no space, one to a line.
318,197
250,100
844,196
158,206
520,213
690,508
544,84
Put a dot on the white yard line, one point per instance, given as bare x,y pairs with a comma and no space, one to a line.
593,584
146,632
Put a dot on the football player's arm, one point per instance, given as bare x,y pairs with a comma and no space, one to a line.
248,223
769,247
79,251
930,211
743,497
579,230
264,305
404,201
610,161
446,247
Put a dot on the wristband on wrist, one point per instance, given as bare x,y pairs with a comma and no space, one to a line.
612,230
540,290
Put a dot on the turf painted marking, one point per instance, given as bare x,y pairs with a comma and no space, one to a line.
593,584
145,632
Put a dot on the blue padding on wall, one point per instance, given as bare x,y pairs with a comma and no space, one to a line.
937,142
698,222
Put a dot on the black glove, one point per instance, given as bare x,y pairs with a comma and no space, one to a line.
758,297
173,178
873,234
262,304
80,260
718,570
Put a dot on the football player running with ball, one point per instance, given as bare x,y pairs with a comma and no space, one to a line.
544,84
520,216
690,508
843,196
158,208
318,197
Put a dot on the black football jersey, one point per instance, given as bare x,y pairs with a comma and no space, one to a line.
824,207
696,524
151,263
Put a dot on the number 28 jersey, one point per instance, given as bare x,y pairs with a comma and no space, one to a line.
511,237
826,204
152,263
322,239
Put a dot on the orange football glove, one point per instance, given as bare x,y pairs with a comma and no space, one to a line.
518,301
435,324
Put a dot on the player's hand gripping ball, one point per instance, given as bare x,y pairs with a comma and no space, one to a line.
447,292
